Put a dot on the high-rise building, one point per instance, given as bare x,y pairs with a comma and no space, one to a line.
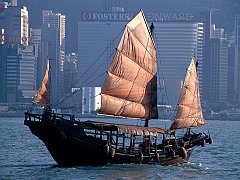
12,75
14,21
177,42
35,40
3,57
231,57
18,77
217,32
49,52
178,37
14,33
27,73
55,21
237,60
91,100
218,72
70,71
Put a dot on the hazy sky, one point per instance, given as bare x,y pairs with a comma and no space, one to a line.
224,16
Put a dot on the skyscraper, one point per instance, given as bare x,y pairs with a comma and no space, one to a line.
237,60
177,43
49,51
231,58
14,21
12,74
56,22
218,72
35,40
14,40
70,71
3,57
178,36
27,73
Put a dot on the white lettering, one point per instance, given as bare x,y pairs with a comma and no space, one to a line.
166,16
115,16
120,16
111,16
100,16
94,16
158,17
127,16
105,16
174,17
182,17
150,16
189,16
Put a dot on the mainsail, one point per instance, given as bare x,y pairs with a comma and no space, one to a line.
43,95
189,111
130,87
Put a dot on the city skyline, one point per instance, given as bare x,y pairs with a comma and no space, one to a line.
222,17
193,29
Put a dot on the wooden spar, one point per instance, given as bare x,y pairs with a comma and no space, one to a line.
146,122
131,143
117,139
123,141
111,138
134,140
163,143
155,144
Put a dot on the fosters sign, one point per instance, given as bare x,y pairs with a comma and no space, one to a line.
109,16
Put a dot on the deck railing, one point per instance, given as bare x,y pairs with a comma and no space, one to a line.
50,117
124,142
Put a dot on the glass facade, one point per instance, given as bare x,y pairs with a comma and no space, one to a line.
54,48
176,41
219,72
27,72
96,46
237,59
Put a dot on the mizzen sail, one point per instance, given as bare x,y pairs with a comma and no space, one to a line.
189,111
43,95
130,87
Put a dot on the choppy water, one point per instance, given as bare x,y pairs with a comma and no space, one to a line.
23,156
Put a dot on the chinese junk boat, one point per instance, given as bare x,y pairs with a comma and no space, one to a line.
129,91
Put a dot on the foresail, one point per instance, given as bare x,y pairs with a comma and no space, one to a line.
189,111
43,94
130,87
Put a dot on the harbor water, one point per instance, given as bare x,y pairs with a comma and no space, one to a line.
24,156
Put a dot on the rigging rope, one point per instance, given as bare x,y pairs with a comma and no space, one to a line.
159,77
59,100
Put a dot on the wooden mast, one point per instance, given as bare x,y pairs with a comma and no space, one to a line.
149,115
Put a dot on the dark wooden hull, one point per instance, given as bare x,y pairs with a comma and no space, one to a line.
70,146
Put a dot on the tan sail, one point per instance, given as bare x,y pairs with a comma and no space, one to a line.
130,88
43,94
189,111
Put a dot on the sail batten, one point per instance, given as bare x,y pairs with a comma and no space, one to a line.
43,95
125,108
128,69
146,69
146,48
120,88
189,111
130,87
